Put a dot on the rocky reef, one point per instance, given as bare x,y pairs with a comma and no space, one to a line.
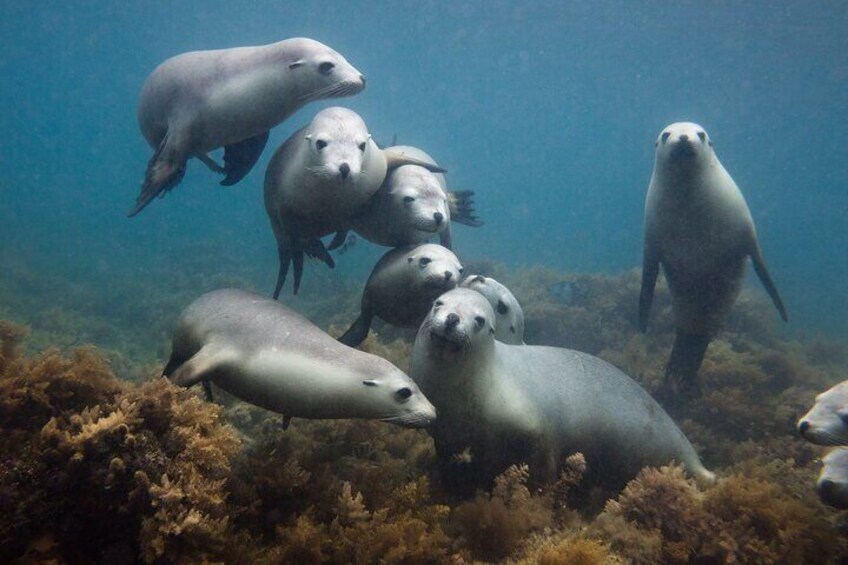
103,461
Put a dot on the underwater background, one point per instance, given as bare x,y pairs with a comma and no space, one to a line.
549,112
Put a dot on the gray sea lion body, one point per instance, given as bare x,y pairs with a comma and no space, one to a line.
503,404
509,316
826,423
832,484
699,228
199,101
318,181
264,353
402,287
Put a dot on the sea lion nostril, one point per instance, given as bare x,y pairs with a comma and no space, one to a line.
803,427
452,320
344,169
826,486
684,137
439,218
448,275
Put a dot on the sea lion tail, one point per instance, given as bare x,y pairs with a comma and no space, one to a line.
462,210
687,354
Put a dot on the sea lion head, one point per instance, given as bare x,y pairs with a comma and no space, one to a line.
416,196
683,145
396,399
434,268
321,72
460,320
832,484
508,313
827,421
340,145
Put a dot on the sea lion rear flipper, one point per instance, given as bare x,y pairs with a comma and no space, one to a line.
211,164
297,262
445,239
358,331
765,278
687,354
650,271
461,204
394,160
165,170
240,157
198,366
315,249
284,252
338,240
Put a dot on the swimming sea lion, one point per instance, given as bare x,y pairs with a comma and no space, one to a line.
402,287
413,205
827,421
198,101
509,317
699,228
506,404
318,180
832,484
264,353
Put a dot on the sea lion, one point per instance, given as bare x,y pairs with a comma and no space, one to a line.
832,484
402,287
199,101
827,421
509,317
262,352
318,180
413,205
699,228
504,404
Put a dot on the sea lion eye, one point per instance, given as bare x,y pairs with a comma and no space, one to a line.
409,199
320,144
424,261
665,136
502,308
703,136
404,394
326,67
369,382
461,270
479,321
438,304
362,146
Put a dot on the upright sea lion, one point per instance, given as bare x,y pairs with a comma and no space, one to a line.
402,287
264,353
318,180
509,317
832,484
827,421
413,205
501,404
199,101
699,228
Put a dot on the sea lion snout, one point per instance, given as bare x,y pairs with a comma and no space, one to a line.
803,426
344,170
451,321
439,218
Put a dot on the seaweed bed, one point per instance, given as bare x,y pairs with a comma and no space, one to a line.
101,460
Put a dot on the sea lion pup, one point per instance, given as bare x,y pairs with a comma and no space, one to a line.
502,404
199,101
262,352
699,228
827,421
318,180
402,287
832,484
509,317
413,205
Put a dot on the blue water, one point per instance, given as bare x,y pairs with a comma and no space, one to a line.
548,111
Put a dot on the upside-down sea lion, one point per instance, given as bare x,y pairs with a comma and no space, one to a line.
262,352
504,404
509,317
699,228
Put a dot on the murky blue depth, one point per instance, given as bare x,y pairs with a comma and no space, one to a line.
548,111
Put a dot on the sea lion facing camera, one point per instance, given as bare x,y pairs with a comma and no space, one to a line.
264,353
318,180
199,101
827,421
699,228
402,287
504,404
509,317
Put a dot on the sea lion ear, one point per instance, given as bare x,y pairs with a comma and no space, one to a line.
369,382
296,64
308,137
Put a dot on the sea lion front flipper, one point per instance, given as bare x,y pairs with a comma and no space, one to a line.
358,331
338,240
198,366
164,171
765,278
240,157
461,204
394,160
650,271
